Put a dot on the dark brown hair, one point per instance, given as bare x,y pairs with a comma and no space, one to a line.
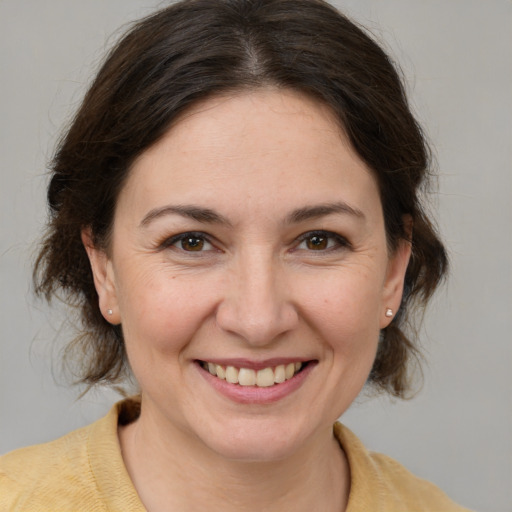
198,48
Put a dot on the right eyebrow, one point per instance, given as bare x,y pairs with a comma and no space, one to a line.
205,215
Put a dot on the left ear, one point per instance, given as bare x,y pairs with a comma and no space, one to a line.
394,283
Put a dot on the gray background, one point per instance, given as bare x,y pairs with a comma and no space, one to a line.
457,56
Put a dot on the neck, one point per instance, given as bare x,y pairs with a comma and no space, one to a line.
176,472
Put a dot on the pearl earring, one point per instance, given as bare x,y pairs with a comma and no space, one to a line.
109,311
389,312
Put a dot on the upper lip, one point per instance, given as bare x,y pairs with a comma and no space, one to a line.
239,362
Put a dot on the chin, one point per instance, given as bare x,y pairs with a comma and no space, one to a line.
256,439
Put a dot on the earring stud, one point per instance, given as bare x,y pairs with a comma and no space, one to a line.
109,311
389,312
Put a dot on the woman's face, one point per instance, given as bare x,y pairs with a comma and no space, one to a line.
250,238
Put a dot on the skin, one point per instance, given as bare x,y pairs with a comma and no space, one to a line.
259,288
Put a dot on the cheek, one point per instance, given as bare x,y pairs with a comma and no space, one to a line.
346,313
161,312
345,321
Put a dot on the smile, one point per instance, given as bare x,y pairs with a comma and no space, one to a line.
263,378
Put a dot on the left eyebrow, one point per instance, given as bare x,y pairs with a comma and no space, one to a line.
322,210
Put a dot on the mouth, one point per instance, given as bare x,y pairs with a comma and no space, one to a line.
266,377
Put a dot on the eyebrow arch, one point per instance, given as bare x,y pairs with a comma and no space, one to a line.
321,210
205,215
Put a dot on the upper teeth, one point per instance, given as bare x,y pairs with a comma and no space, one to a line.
248,377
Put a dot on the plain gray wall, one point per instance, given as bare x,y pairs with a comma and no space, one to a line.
457,57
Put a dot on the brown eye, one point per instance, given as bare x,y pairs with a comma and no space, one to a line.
317,242
192,243
322,241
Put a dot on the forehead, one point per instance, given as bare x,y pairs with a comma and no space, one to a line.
258,147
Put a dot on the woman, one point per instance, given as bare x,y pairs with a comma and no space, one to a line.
235,210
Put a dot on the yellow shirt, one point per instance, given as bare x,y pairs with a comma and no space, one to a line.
84,471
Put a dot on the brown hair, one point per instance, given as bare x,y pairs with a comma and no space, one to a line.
198,48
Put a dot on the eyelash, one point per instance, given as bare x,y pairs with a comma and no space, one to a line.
340,242
170,242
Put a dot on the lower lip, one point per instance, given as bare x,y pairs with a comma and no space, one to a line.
255,394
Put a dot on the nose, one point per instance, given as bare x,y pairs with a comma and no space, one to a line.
257,305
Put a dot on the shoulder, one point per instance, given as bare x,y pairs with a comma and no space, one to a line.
83,470
379,482
34,478
413,491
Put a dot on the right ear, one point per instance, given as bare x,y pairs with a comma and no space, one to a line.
104,281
